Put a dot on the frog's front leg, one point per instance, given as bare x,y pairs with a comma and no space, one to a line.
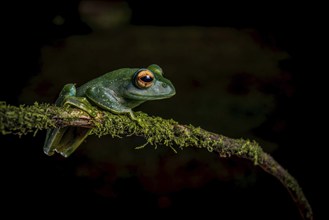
66,140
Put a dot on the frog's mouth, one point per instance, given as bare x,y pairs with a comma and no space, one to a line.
159,90
145,97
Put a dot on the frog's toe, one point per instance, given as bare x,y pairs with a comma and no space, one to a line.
64,153
48,152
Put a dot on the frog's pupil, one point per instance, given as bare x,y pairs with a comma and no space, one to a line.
147,78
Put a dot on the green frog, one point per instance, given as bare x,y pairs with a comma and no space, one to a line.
118,91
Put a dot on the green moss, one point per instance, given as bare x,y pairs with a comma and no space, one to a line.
24,119
249,149
157,131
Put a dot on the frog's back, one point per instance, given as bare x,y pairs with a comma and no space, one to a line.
107,79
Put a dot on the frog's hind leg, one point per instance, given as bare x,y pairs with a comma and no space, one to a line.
54,135
66,140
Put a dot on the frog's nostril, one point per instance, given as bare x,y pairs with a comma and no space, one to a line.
164,85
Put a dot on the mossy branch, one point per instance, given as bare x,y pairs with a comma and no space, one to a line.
157,131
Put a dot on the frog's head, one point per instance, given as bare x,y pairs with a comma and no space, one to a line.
149,84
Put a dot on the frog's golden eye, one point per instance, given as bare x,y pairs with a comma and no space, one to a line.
143,78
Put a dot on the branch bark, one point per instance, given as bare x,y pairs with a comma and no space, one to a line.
157,131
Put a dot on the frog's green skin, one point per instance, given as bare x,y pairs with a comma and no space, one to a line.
115,91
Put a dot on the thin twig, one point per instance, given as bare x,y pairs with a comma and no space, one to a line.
157,131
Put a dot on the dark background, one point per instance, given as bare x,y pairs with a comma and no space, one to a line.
104,180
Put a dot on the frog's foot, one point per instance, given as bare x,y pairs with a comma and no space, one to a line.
71,140
53,138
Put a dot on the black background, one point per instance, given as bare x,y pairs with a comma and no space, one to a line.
31,180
